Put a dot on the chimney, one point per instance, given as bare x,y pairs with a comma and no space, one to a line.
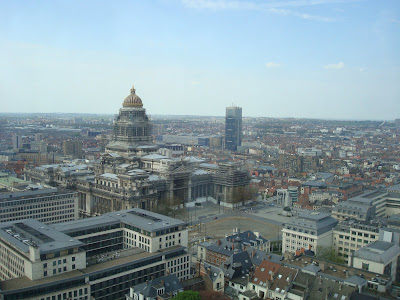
248,234
219,242
320,279
253,253
327,294
162,282
340,286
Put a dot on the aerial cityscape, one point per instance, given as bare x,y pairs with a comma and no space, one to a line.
200,149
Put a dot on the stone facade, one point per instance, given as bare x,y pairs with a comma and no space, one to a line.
132,175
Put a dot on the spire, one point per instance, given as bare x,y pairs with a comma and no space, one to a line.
133,90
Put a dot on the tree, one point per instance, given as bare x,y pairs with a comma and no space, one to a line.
213,295
244,193
330,254
187,295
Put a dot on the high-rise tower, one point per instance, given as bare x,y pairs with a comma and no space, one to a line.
132,129
233,128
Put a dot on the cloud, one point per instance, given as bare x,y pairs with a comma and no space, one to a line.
339,65
269,7
272,64
362,69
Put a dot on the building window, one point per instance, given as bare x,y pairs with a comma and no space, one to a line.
365,266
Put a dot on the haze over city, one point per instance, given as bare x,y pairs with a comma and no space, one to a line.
306,59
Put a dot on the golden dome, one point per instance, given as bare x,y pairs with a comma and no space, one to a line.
132,100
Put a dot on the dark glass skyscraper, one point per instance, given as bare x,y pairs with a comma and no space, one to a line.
233,128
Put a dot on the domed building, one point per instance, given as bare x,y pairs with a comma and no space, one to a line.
132,129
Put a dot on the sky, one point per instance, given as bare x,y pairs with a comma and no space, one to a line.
325,59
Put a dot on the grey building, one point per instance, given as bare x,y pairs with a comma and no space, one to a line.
93,258
165,287
378,257
308,231
47,205
363,207
233,128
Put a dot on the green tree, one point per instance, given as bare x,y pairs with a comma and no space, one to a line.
187,295
330,254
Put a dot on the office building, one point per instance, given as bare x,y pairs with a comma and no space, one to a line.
93,258
17,142
73,148
233,128
47,205
351,235
363,207
308,231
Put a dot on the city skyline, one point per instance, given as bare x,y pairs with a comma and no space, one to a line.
324,59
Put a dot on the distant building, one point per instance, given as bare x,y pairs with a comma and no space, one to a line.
17,142
73,148
309,151
45,205
132,133
363,207
233,128
130,174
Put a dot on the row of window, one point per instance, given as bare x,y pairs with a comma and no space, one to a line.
83,295
301,230
20,202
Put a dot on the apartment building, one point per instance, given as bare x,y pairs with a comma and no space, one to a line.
47,205
93,258
308,231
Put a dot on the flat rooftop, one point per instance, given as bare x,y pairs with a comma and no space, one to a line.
29,232
394,188
332,269
10,180
144,219
32,194
135,254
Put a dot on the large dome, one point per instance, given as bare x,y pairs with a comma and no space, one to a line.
132,100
